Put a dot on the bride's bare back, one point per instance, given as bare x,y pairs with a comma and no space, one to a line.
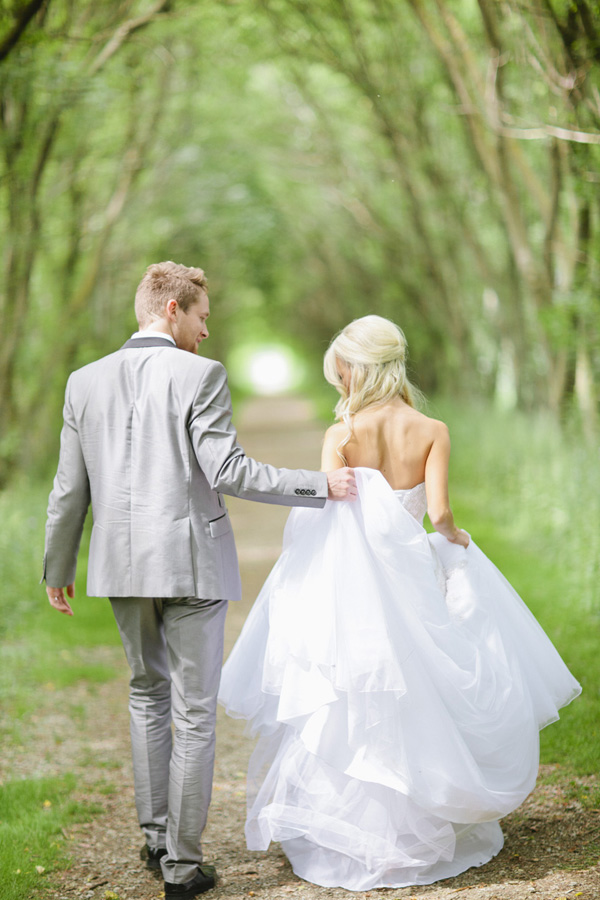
407,447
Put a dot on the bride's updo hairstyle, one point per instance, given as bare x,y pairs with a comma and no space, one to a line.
374,349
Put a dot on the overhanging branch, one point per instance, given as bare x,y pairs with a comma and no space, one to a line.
544,131
24,17
123,32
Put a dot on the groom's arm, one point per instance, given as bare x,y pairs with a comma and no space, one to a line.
226,466
67,507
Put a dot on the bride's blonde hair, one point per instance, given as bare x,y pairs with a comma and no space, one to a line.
374,349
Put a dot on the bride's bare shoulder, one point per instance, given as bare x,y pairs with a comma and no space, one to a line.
333,440
432,434
335,435
336,432
434,425
433,429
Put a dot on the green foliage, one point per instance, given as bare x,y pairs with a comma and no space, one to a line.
33,814
42,649
42,652
530,483
319,161
530,497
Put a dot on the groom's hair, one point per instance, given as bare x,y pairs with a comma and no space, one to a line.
163,282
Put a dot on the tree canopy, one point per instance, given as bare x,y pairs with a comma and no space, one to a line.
435,162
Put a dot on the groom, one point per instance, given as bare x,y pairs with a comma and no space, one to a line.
148,439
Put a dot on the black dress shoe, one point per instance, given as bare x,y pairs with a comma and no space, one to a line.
203,880
152,857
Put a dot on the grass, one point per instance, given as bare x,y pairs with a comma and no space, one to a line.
41,646
33,814
530,496
43,652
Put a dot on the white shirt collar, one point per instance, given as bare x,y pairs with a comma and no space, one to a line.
153,334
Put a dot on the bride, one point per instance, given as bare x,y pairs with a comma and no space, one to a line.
396,680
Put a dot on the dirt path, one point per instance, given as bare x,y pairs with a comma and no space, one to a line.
552,844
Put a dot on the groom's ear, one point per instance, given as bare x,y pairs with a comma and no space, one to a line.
171,308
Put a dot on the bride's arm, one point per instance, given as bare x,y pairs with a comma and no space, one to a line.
330,454
436,485
340,478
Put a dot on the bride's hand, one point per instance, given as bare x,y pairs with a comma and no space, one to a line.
461,537
341,484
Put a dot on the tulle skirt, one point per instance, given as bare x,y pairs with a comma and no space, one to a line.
397,684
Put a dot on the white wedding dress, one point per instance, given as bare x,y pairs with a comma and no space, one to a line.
398,684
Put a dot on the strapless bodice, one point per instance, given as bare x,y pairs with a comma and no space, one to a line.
414,500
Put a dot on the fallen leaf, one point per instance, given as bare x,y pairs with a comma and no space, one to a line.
110,895
47,804
40,870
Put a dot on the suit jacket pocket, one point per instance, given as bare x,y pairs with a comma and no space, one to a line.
220,526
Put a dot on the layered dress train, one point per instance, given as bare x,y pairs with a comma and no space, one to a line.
398,685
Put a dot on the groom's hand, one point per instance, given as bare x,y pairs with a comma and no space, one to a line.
57,598
341,484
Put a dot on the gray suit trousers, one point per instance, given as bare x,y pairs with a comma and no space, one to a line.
175,650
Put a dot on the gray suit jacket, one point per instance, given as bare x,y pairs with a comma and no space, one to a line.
148,439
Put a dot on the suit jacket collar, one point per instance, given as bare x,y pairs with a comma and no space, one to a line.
148,342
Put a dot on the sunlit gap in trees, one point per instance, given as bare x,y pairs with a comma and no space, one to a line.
266,369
